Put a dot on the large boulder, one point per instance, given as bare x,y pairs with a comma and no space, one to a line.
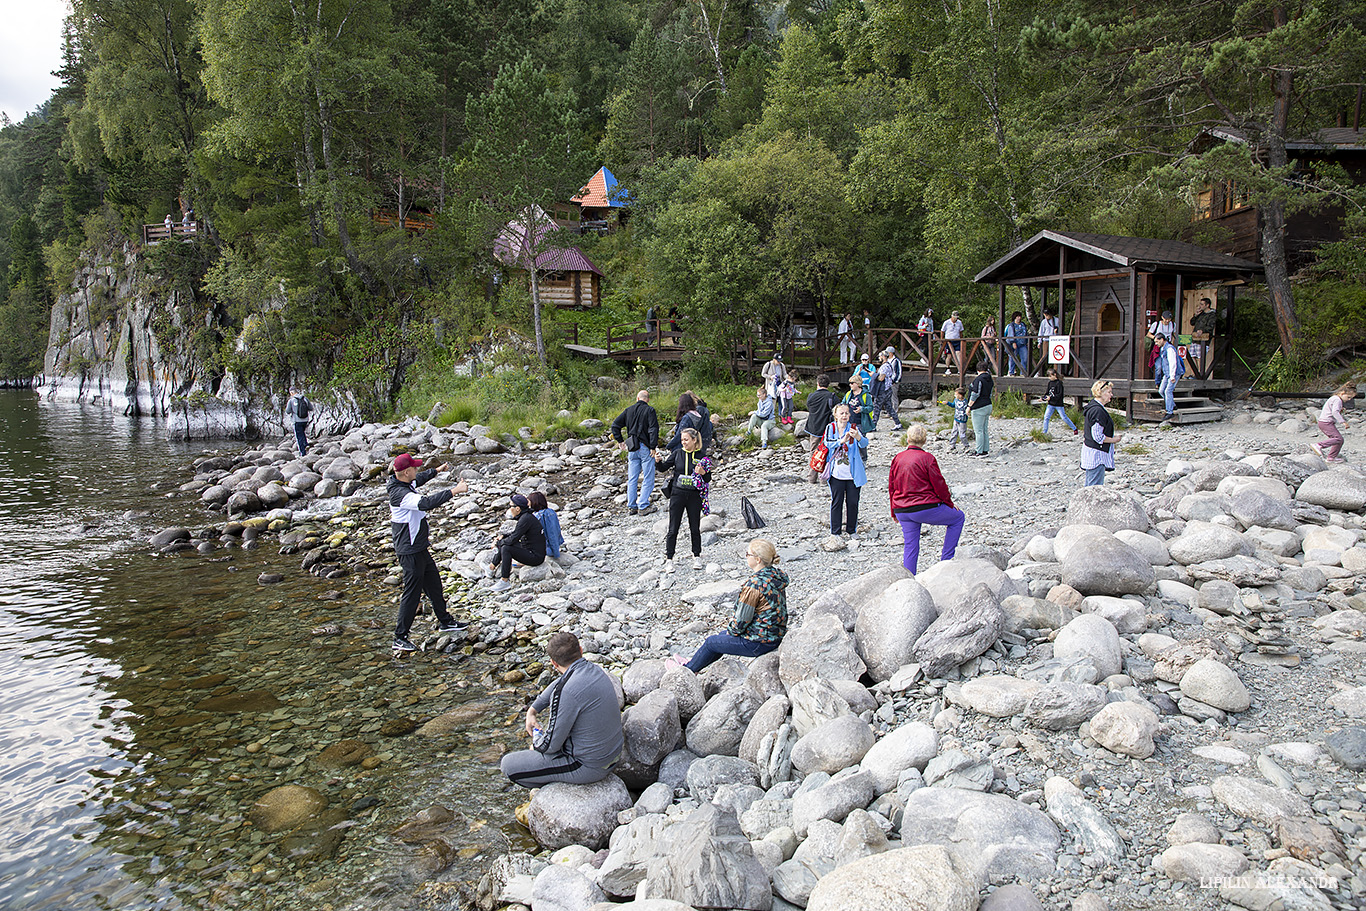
1107,507
920,878
720,726
814,702
642,677
1107,566
1202,542
710,865
968,624
563,814
1093,637
1254,506
1024,612
652,730
949,582
560,887
1127,728
999,695
910,746
833,746
888,625
770,716
1061,705
1199,863
633,847
833,801
820,647
1002,837
687,691
1129,616
1153,548
1334,489
705,776
847,599
1258,801
1216,684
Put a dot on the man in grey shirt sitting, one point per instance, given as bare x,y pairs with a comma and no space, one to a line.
580,737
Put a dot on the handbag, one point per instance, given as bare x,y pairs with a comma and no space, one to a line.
750,514
819,456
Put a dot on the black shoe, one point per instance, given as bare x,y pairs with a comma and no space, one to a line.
648,510
453,626
403,645
632,511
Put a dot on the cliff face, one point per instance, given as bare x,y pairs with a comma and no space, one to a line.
120,340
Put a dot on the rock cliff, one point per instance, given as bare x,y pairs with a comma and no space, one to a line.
123,339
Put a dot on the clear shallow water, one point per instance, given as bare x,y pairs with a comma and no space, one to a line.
147,701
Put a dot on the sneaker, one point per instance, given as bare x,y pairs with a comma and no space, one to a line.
668,565
648,510
1074,431
1318,448
1335,459
501,585
490,571
674,661
696,562
452,626
632,511
403,645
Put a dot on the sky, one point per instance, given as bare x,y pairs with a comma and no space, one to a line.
30,49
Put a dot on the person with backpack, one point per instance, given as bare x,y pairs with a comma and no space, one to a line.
640,425
889,382
298,410
1167,371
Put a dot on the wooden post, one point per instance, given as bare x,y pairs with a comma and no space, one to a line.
1133,339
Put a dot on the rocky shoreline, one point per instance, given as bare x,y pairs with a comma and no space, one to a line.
1110,697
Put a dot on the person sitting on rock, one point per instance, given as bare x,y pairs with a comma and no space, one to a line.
550,523
760,612
761,418
525,543
581,737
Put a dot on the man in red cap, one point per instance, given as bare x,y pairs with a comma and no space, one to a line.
408,521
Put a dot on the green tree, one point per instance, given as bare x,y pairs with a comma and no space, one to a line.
527,154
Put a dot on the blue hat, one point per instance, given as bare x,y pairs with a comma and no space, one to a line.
519,500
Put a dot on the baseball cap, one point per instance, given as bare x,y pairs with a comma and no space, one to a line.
405,461
890,350
519,500
864,358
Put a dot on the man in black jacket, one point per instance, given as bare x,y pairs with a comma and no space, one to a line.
640,424
408,522
820,406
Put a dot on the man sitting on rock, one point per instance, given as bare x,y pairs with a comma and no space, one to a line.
580,738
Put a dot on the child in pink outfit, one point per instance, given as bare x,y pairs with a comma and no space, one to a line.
1330,419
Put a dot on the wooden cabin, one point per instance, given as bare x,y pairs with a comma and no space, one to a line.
1224,220
567,277
1108,290
602,203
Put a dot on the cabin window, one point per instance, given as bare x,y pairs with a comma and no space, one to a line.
1111,318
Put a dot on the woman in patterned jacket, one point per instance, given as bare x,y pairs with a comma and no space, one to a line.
760,612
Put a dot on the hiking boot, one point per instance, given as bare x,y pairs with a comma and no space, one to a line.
632,511
648,510
452,626
402,644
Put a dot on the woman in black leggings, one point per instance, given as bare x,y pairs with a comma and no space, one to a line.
689,474
525,544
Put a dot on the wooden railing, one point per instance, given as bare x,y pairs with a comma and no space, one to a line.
410,222
153,234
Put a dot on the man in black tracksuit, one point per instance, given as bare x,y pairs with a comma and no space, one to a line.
408,522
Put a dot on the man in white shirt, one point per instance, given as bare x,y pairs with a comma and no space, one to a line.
847,346
953,337
1048,327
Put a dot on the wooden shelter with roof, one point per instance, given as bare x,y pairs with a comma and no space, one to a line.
601,201
1107,291
567,277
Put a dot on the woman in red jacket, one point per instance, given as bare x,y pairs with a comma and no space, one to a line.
920,496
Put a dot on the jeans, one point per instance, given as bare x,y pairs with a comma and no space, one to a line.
847,351
689,501
419,575
1019,357
950,518
725,644
640,464
886,401
509,552
979,427
1168,389
1095,477
301,437
1061,412
843,492
764,426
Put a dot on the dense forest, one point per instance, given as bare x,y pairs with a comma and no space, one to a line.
824,155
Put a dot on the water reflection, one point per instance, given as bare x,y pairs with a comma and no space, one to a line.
153,699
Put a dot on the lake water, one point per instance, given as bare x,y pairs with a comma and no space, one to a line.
147,701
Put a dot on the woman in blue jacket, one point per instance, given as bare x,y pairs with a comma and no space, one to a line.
550,521
844,470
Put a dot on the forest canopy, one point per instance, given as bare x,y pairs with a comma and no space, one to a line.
781,157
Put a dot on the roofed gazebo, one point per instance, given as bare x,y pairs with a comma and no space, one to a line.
1106,291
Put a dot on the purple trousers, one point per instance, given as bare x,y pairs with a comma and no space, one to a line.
1333,445
910,522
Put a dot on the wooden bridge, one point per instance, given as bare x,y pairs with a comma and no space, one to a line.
933,363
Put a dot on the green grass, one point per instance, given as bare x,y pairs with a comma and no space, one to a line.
1135,449
1037,435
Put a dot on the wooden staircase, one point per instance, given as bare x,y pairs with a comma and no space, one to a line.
1190,409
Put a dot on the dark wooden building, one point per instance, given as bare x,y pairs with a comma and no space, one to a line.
1224,221
1107,291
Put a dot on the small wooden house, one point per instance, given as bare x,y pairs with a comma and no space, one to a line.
1225,221
1107,291
601,202
566,277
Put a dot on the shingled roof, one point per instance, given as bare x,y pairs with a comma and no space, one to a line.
1143,253
601,192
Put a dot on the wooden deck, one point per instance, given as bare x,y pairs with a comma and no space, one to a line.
155,234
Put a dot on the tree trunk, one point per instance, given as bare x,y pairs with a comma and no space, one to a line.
334,196
1272,212
536,311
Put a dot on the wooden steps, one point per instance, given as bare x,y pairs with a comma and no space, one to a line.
1190,409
